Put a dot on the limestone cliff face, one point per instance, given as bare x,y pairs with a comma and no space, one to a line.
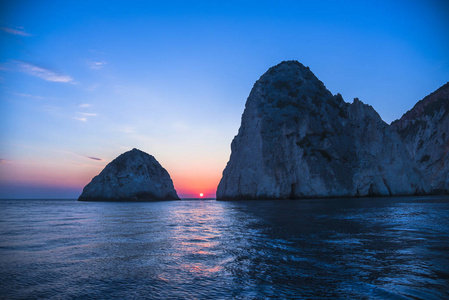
298,140
425,132
133,176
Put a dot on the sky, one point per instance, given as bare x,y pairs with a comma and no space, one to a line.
83,81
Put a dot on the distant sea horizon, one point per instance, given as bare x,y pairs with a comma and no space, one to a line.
237,200
76,199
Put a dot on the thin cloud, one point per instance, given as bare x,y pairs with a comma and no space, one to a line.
84,105
82,116
95,65
28,96
43,73
3,161
15,31
94,158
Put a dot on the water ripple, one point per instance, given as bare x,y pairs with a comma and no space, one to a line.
364,248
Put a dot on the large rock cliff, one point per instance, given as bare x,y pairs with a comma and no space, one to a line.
425,132
298,140
133,176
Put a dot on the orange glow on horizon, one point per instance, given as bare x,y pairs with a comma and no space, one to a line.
76,173
187,186
48,174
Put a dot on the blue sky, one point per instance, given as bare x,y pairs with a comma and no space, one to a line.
83,81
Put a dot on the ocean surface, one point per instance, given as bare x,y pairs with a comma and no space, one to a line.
382,248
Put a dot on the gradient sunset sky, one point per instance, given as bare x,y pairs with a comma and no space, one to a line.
84,81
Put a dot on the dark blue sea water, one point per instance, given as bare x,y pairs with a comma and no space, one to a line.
386,248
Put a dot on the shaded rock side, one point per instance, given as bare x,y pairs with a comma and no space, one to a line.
425,131
133,176
298,140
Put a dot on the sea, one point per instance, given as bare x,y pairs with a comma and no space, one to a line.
365,248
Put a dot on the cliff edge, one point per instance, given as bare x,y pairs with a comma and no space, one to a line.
425,131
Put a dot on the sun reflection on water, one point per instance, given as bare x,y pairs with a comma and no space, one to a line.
197,239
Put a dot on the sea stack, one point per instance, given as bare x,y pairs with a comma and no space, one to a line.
133,176
297,140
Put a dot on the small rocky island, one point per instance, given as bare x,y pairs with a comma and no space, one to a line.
133,176
297,140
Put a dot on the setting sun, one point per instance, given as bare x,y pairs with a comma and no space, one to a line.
201,194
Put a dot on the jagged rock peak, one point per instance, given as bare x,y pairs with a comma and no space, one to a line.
132,176
297,140
428,106
425,131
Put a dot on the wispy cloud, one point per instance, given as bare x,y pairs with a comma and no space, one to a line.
95,65
15,31
28,96
94,158
43,73
82,116
3,161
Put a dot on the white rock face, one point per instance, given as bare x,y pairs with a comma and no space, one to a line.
425,131
133,176
297,140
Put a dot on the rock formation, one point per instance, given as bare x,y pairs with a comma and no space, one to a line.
298,140
425,132
133,176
